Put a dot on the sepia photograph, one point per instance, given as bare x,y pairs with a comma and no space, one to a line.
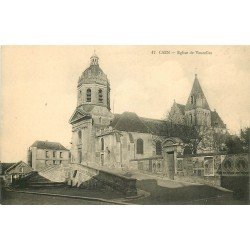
125,125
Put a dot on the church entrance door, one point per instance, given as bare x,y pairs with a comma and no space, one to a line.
170,165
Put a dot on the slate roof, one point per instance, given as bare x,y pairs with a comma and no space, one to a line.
197,91
93,70
156,126
131,122
14,165
216,121
115,120
48,145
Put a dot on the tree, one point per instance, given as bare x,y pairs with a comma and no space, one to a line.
245,139
234,145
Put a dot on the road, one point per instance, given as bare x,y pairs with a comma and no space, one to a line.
14,198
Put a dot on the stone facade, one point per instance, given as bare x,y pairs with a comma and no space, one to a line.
42,154
207,169
101,138
177,114
196,112
87,177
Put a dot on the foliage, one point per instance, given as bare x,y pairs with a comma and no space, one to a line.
245,139
238,144
234,145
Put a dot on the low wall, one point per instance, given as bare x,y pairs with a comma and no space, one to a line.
207,180
84,176
152,165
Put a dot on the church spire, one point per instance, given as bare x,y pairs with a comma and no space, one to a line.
197,98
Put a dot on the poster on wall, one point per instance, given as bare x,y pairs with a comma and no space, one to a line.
208,166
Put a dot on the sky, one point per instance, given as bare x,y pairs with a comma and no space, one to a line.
38,86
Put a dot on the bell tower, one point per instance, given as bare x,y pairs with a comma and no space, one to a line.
92,112
93,86
197,111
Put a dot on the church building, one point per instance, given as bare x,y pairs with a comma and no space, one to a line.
196,112
101,138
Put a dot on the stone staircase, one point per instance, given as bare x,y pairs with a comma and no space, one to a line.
53,173
35,180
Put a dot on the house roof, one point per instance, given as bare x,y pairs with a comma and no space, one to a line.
4,166
197,93
15,165
48,145
131,122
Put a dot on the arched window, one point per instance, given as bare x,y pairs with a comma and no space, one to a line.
139,146
193,100
88,93
191,119
154,168
80,95
158,148
159,167
100,96
102,144
79,136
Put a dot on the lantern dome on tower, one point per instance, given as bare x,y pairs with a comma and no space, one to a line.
93,74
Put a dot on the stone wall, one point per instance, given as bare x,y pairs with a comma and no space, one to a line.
212,169
149,165
119,152
78,175
207,180
175,115
198,165
40,160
